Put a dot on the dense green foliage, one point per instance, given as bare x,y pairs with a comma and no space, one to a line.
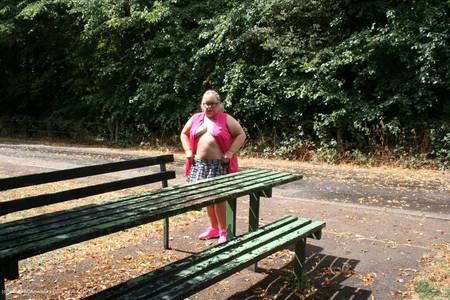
342,77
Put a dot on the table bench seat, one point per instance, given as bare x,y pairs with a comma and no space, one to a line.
31,236
27,237
194,273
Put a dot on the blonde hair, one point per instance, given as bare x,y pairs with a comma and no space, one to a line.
216,95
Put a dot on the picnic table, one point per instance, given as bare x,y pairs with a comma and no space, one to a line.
27,237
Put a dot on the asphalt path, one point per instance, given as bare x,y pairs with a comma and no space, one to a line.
376,190
380,222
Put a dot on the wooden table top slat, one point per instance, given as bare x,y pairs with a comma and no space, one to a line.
23,236
159,195
34,231
63,214
135,216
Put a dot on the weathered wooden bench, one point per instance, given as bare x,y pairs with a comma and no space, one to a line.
35,235
187,276
32,236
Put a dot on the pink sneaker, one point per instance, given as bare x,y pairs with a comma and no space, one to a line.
222,236
210,233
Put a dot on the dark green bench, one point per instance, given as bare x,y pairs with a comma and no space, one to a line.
32,236
194,273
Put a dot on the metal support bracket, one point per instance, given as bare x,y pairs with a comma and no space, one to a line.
267,193
162,167
299,263
231,218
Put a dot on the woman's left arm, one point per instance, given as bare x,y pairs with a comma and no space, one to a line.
238,135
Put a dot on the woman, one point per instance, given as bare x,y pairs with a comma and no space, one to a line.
211,139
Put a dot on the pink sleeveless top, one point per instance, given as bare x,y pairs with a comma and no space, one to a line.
221,134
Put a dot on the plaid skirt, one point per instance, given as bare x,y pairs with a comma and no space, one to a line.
206,168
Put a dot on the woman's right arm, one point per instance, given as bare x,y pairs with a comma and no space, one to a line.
184,137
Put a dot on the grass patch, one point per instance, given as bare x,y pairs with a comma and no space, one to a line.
426,289
434,281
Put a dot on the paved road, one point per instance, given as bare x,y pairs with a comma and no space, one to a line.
376,189
380,222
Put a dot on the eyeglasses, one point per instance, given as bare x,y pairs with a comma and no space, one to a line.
211,104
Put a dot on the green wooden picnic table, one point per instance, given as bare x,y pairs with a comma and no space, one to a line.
32,236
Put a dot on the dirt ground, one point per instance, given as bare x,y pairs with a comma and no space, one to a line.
380,223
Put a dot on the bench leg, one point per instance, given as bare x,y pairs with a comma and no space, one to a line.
299,262
253,220
231,219
2,285
253,217
166,233
165,184
8,270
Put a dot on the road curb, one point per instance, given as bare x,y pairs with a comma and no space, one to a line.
412,213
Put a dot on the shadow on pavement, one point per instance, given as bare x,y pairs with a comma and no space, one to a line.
325,273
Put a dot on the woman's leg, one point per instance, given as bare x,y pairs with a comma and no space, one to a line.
221,214
213,221
213,230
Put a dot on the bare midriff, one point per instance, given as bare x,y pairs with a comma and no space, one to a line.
207,147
